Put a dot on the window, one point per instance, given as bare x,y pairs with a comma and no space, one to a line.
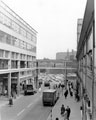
28,35
14,64
1,17
15,26
1,53
22,31
6,54
7,21
2,36
3,64
17,42
8,39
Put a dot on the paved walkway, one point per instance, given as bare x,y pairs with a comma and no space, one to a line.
4,100
75,109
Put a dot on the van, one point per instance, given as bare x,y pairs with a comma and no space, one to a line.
49,97
28,89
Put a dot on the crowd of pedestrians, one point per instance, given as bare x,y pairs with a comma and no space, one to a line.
68,89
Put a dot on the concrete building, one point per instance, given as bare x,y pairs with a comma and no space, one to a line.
66,55
86,58
17,51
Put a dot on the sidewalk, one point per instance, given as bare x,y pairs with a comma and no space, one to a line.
4,100
75,109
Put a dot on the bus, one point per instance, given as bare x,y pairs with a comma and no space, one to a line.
49,97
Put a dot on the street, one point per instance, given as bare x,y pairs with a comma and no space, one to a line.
26,108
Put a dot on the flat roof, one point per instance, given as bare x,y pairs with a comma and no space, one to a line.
49,90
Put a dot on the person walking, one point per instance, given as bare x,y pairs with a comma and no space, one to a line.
62,109
68,112
66,93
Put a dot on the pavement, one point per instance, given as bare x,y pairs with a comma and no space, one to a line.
5,101
70,101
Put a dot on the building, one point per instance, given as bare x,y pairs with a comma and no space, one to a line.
79,27
86,60
17,51
66,55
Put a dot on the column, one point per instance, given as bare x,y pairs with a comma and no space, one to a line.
18,83
9,84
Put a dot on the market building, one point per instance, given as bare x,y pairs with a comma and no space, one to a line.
17,51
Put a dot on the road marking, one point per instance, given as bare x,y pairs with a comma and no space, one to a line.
21,112
29,105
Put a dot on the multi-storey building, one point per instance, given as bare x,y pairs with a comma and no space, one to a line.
17,51
86,58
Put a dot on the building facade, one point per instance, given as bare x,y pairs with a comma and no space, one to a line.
66,55
17,51
86,60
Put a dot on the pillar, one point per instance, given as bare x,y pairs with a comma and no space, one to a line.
9,84
18,83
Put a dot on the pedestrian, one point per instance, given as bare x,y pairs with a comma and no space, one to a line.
66,93
68,112
71,93
62,109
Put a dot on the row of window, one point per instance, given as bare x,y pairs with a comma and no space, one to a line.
23,73
83,64
11,40
13,25
14,64
6,54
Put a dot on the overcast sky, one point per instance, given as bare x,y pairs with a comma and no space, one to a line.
54,20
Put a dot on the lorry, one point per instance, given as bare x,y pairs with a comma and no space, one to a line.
49,97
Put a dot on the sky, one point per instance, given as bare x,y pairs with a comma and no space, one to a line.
54,20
